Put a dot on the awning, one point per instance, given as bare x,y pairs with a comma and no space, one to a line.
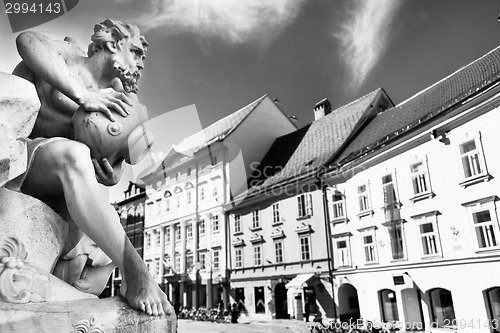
299,280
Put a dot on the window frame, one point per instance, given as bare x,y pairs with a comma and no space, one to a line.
346,253
304,206
482,205
276,213
370,247
426,238
279,255
303,254
257,255
481,159
215,222
238,258
256,220
237,224
422,174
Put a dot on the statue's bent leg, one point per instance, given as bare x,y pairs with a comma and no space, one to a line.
65,166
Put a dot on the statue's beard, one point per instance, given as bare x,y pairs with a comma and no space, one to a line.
130,80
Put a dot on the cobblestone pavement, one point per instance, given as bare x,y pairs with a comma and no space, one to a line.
244,325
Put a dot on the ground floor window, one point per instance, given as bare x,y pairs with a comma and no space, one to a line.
493,304
442,310
388,305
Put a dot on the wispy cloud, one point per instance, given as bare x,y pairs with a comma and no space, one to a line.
364,35
234,21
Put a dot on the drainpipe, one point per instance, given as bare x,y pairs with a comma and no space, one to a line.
328,239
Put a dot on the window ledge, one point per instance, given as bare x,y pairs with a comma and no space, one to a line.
486,250
305,217
422,196
432,256
365,213
280,222
399,260
238,233
476,179
339,220
255,229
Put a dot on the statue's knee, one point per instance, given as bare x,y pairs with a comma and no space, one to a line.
75,157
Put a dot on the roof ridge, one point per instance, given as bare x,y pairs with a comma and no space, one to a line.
446,77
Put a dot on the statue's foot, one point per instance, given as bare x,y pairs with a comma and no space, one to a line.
94,279
145,295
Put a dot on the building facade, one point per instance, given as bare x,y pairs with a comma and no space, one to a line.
413,211
280,263
186,231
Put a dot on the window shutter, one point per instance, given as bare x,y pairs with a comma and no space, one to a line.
309,206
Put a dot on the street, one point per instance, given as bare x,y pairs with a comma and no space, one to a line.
245,324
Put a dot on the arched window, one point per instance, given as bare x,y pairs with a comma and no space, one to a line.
442,310
139,213
131,214
388,305
123,215
493,303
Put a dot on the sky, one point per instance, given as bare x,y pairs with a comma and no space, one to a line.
209,58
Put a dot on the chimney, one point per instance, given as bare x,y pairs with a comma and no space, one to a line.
322,108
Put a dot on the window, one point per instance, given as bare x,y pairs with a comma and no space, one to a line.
238,258
202,259
396,233
202,193
276,213
201,227
188,197
257,255
305,251
215,191
177,261
214,160
178,200
389,191
363,200
369,246
177,232
471,159
215,223
216,259
167,205
493,305
304,205
167,234
338,206
188,172
189,260
255,219
157,268
388,305
420,178
442,310
485,228
278,250
148,240
189,230
342,252
237,223
429,237
157,238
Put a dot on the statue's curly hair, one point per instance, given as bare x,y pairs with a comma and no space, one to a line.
113,31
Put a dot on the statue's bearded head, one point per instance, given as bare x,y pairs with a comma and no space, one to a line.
127,46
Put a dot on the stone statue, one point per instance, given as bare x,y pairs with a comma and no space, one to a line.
89,122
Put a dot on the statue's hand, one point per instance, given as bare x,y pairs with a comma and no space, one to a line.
105,173
105,101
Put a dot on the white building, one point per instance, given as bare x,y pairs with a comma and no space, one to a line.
185,244
415,229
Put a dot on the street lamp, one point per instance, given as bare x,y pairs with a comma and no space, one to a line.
328,238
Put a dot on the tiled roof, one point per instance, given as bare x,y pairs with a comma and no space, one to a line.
425,105
217,130
315,144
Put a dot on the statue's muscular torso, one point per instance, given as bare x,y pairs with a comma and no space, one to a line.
56,110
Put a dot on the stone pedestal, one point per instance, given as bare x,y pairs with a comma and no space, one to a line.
32,238
82,316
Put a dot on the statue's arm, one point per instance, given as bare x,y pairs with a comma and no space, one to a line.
106,173
48,59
